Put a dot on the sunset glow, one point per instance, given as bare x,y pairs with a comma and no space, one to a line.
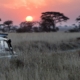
29,18
16,10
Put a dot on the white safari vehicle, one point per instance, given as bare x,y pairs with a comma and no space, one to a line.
6,49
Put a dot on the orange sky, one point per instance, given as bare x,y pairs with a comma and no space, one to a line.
17,10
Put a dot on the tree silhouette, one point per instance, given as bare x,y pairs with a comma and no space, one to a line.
27,26
0,19
78,20
50,19
8,23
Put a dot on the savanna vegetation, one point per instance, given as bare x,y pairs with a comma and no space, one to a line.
38,60
45,55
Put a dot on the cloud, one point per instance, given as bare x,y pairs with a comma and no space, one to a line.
20,3
28,3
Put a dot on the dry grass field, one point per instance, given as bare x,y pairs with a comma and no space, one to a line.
46,42
37,60
49,37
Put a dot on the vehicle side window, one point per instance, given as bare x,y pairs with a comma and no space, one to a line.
6,45
0,45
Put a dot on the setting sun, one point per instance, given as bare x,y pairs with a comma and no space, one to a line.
29,18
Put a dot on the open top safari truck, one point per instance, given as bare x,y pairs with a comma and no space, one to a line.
6,49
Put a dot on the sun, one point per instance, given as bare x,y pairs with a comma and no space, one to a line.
29,18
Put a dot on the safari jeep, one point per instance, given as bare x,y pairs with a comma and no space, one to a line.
5,46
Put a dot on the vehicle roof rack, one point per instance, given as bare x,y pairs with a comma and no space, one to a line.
3,35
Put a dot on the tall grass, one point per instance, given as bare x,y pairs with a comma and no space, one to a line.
41,66
36,61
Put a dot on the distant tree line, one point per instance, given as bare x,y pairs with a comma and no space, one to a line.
47,24
76,28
